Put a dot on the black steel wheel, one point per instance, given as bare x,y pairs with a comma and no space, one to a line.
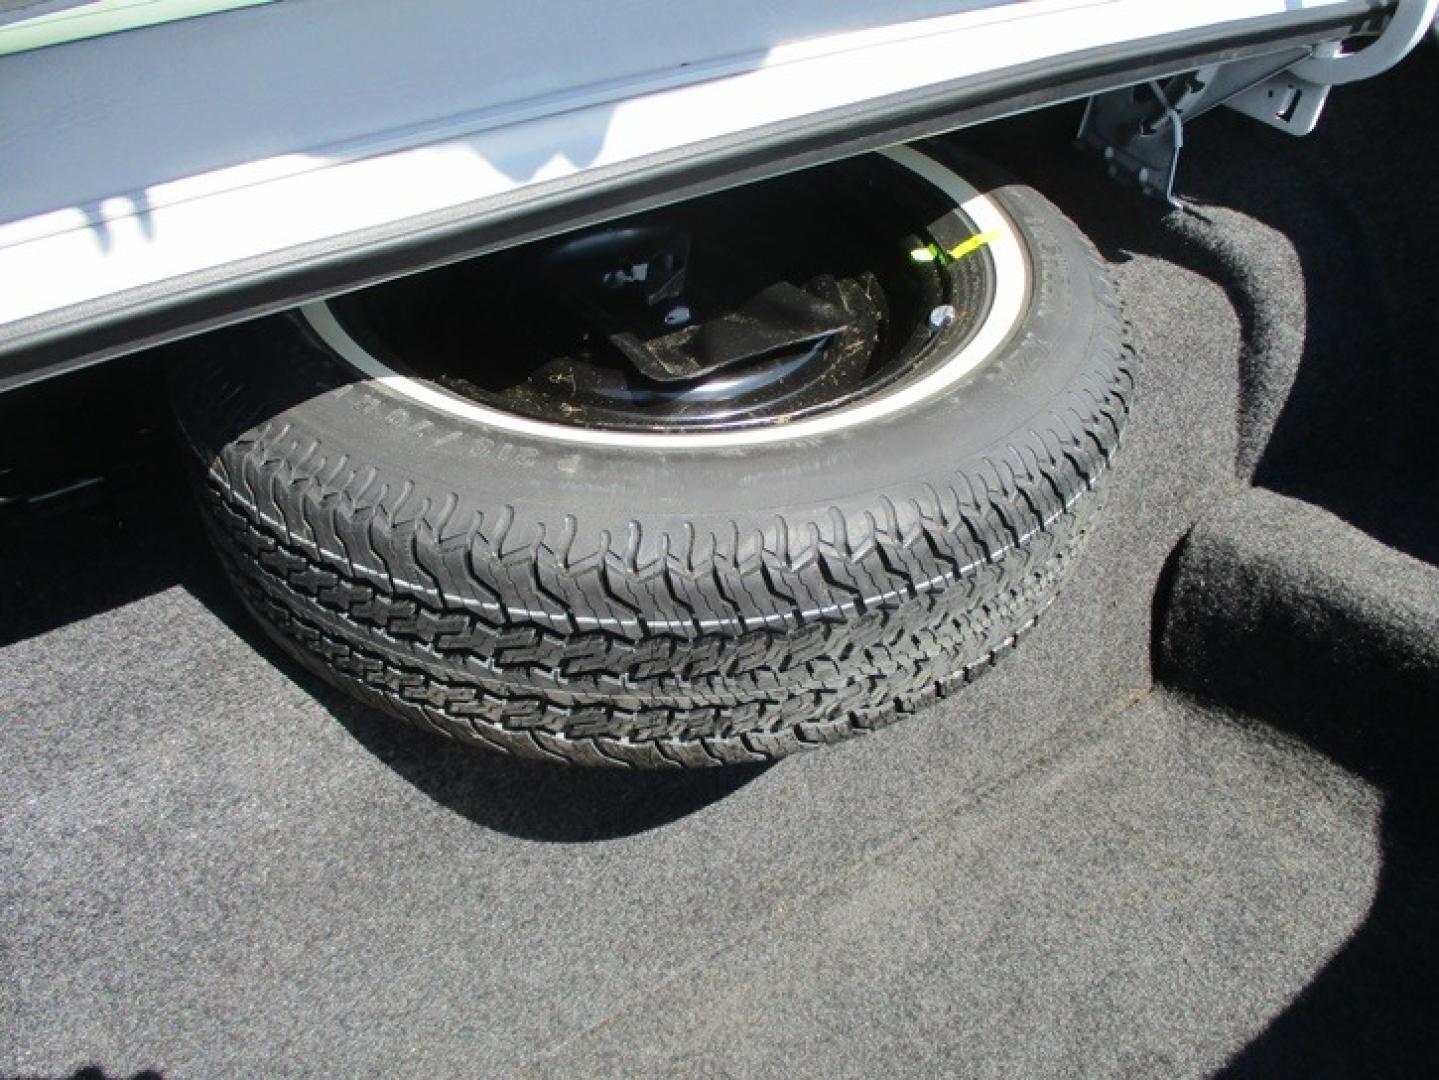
713,484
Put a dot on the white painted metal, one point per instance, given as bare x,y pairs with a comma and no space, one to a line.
1412,20
1012,283
480,141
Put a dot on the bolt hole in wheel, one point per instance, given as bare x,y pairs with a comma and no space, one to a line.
707,485
738,315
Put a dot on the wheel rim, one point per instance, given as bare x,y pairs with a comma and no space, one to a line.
873,312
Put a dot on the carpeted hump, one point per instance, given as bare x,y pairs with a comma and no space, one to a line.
1281,610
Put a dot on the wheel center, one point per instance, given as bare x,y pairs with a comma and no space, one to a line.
755,306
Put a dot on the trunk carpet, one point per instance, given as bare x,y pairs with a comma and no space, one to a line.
213,866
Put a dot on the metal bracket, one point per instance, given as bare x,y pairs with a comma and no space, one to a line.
1292,100
1284,101
1139,135
1140,130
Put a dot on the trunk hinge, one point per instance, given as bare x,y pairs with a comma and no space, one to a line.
1139,130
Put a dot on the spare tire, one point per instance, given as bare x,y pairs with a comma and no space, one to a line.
663,584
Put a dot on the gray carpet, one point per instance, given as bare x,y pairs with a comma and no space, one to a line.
212,866
1347,630
209,875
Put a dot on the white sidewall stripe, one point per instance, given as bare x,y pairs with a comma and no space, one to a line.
1011,290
